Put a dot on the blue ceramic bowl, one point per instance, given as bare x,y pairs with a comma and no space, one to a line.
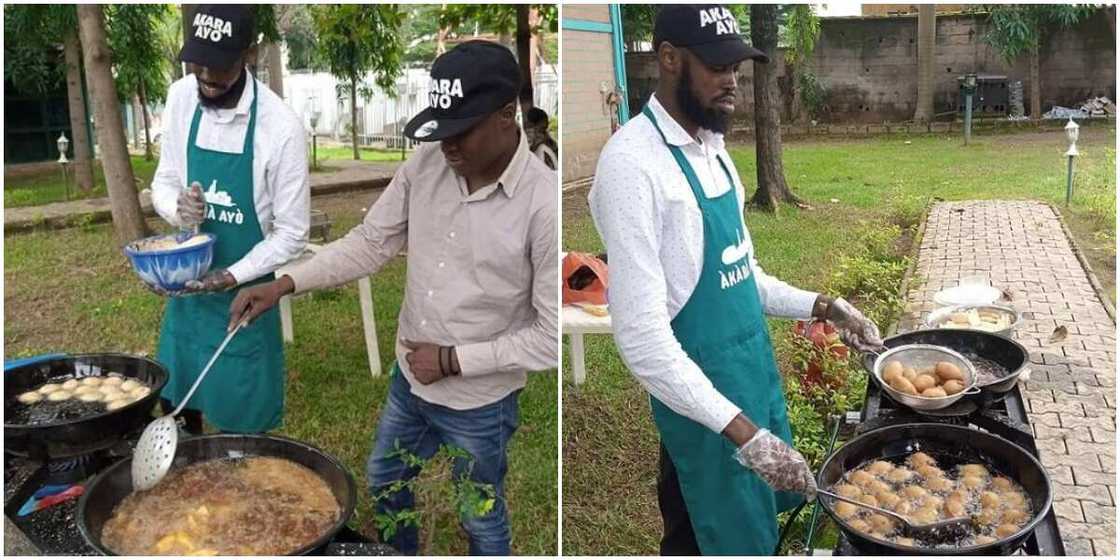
171,269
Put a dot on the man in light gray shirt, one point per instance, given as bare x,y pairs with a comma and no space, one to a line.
478,214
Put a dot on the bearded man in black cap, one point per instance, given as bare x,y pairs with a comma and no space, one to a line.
478,214
688,298
232,163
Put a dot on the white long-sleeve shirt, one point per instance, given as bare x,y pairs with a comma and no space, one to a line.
649,220
281,185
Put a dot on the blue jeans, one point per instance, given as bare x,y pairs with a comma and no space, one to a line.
420,427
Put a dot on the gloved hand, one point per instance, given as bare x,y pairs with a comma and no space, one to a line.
192,205
856,330
780,465
214,281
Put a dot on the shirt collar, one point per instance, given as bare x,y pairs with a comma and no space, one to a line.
511,176
244,104
675,134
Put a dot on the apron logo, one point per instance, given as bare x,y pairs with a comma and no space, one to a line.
735,256
723,19
214,198
209,27
443,90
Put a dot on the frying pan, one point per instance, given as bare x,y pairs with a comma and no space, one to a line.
78,436
950,445
114,484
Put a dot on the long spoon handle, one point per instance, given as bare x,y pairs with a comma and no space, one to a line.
206,370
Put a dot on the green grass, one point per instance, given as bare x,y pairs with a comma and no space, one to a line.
72,291
609,441
367,154
44,188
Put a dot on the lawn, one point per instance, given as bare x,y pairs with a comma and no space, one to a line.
367,154
856,188
72,291
44,188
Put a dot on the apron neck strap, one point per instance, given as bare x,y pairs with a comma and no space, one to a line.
248,145
682,162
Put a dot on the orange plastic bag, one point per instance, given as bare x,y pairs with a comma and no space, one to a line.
585,279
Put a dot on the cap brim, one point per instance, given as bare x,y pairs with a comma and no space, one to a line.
196,52
427,127
728,51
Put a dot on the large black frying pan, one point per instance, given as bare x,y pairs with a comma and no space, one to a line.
115,483
950,445
79,436
1003,351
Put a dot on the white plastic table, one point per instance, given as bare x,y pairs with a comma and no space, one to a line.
365,302
575,323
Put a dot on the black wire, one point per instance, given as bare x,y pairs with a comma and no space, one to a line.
787,527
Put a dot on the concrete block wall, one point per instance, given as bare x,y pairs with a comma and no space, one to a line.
588,63
869,66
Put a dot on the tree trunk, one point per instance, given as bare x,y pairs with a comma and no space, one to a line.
1036,88
354,116
534,40
275,68
187,11
927,35
524,58
147,124
441,41
772,187
124,202
79,136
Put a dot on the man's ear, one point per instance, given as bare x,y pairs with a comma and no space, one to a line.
669,58
251,55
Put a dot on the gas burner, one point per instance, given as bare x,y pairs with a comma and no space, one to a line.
71,470
1005,416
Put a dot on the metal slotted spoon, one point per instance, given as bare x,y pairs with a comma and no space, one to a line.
155,451
929,531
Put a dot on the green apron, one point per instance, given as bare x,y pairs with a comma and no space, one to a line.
723,330
245,390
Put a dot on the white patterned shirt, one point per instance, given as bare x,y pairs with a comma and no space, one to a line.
281,184
653,230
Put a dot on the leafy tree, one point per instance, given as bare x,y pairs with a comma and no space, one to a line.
124,201
505,19
357,39
31,61
772,186
139,61
1018,29
799,35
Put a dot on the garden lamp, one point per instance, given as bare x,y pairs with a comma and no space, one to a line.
63,144
1072,132
969,87
314,135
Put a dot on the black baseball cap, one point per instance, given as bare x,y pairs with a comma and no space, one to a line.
710,31
469,82
218,34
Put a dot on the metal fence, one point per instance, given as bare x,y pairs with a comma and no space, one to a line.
381,118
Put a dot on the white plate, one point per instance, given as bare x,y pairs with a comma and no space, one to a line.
967,295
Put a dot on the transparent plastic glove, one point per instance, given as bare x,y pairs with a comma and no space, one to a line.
856,331
192,205
214,281
780,465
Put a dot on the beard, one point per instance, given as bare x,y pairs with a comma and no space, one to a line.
706,117
227,99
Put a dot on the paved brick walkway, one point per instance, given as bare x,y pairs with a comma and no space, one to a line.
1022,247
